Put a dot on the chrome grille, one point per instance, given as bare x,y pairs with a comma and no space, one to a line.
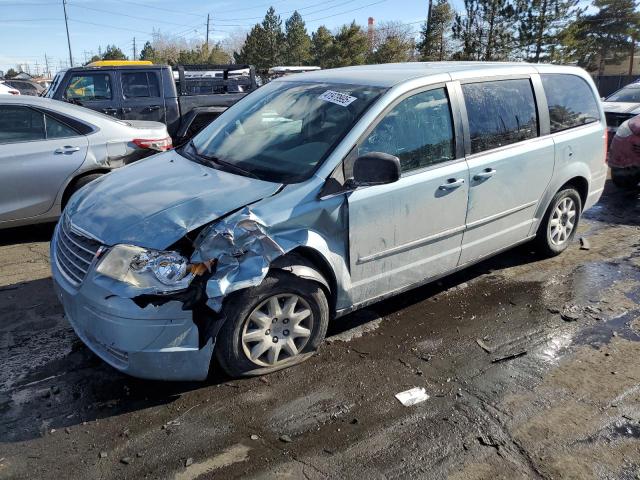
74,251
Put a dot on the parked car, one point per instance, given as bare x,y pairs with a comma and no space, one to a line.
26,87
51,149
317,195
624,154
7,90
149,92
621,106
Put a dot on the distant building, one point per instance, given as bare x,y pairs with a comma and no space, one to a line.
622,68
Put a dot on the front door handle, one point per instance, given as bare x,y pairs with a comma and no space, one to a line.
486,173
66,150
151,108
452,184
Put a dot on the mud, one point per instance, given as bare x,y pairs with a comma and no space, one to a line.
568,408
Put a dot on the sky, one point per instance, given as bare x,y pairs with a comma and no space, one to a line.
31,29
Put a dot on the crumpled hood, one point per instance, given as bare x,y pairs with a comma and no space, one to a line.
621,107
155,202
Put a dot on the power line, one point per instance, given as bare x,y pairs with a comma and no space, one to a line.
295,10
347,11
120,14
153,7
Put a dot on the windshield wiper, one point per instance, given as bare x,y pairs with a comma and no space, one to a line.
222,163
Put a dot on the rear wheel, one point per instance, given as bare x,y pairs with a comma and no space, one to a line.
275,325
560,223
623,179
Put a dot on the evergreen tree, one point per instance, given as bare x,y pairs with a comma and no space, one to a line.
485,30
250,51
265,44
273,39
434,42
113,53
468,30
148,52
321,47
603,36
298,42
499,16
350,46
393,49
10,73
539,26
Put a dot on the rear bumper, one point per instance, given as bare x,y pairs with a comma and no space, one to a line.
159,343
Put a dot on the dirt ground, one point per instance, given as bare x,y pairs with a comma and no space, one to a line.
566,405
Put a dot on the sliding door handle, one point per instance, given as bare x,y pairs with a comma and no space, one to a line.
486,173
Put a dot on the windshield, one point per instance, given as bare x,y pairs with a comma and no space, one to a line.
629,94
283,131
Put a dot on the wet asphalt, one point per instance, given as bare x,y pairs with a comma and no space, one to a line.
531,366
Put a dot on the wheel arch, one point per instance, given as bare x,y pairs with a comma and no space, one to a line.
308,263
581,185
66,194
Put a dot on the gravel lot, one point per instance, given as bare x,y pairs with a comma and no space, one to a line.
567,405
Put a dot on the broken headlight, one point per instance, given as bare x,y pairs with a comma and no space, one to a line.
163,271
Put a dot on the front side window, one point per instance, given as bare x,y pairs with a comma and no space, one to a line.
140,85
500,113
418,130
86,87
284,130
20,124
571,101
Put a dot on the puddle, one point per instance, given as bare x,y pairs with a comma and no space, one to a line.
602,333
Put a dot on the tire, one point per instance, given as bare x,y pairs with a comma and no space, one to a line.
626,182
249,326
553,235
77,185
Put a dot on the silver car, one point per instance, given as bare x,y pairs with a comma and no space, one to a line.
50,149
319,194
621,106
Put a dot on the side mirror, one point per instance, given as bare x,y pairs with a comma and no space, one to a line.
375,168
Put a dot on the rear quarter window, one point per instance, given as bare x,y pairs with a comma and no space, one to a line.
571,101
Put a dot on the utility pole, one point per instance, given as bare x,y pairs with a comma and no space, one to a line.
46,66
207,42
66,24
135,52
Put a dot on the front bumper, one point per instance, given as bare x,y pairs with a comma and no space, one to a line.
159,343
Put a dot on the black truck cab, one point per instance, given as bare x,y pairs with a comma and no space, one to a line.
186,100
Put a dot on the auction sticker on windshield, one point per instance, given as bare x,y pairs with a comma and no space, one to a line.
338,98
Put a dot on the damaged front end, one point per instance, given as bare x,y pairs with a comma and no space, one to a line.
228,255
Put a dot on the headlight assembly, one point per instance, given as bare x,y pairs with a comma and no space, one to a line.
161,271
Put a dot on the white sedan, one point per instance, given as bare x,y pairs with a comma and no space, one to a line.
7,90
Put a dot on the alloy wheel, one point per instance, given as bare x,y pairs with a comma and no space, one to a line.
563,221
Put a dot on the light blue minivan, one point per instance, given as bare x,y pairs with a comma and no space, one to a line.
316,195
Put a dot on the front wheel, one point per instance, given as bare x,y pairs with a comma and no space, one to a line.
275,325
560,222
